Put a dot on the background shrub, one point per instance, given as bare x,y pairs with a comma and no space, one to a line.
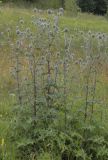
94,6
71,7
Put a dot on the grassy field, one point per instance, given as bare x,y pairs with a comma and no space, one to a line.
82,21
9,18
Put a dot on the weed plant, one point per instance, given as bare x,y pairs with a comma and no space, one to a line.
57,77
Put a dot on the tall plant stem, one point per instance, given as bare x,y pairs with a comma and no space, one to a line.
48,79
34,87
87,92
94,92
65,111
18,80
86,98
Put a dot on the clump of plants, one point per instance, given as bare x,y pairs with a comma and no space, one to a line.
57,76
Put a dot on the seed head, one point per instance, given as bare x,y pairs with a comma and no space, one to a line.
18,32
66,30
61,10
21,21
49,11
35,10
93,36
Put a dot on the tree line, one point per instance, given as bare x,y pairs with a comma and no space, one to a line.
94,6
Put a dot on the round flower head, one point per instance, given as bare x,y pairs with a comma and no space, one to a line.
18,32
21,21
66,30
103,35
42,58
58,54
21,33
93,35
100,36
66,60
35,10
61,10
49,11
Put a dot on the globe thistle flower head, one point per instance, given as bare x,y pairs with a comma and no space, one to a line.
18,32
100,37
66,60
61,10
21,21
93,35
58,54
66,30
81,32
35,10
49,11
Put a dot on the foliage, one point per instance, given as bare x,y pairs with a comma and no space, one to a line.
94,6
106,16
56,91
58,113
34,140
87,6
71,7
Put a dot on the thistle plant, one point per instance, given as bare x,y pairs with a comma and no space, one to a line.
17,70
57,75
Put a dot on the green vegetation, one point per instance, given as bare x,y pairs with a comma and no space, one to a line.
71,7
93,6
53,85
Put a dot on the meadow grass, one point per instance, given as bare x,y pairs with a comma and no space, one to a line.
10,16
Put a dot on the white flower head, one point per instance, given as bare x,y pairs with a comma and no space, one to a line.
21,21
35,10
